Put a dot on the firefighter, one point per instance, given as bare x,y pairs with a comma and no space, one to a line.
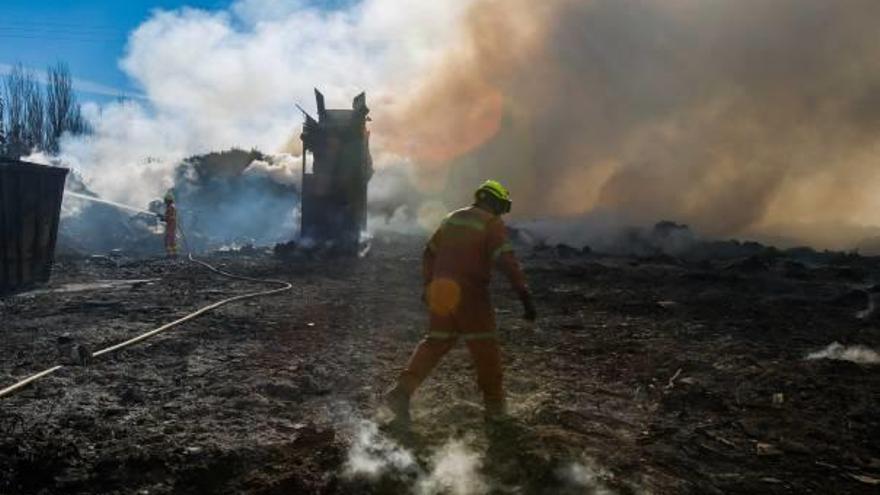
170,219
456,266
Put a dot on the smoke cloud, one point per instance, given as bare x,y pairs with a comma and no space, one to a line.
214,80
737,117
236,198
734,116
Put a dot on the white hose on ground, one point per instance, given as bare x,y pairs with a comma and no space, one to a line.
284,286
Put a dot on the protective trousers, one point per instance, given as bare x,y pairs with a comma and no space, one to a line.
473,320
170,239
486,357
170,230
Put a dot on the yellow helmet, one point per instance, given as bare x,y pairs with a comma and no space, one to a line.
494,189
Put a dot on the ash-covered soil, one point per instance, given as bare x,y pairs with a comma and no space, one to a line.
643,375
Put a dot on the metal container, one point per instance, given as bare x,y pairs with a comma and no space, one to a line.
30,206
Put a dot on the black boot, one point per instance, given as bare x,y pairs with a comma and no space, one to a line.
397,400
498,421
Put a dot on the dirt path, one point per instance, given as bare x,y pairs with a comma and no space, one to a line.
643,376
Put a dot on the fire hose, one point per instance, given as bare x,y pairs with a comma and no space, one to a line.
283,287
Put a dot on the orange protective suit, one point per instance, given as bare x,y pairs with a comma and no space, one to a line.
170,229
457,265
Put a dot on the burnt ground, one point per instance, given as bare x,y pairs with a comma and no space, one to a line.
648,375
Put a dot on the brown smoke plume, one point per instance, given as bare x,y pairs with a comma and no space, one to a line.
738,116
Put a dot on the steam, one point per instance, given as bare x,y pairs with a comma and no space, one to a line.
372,454
855,353
585,479
453,468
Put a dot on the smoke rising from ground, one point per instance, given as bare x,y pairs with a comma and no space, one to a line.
736,117
583,478
855,353
372,454
453,469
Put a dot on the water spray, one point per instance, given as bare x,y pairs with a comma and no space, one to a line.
107,202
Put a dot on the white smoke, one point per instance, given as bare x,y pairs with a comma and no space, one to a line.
282,168
372,454
230,78
585,479
854,353
454,468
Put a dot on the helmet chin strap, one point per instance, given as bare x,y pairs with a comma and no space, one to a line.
492,204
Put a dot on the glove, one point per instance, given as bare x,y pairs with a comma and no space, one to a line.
529,312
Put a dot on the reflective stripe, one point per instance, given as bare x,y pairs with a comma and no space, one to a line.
441,335
504,248
466,336
465,222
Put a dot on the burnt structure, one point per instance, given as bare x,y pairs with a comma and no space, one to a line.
30,207
334,187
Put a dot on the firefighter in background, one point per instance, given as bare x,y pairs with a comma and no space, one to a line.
170,219
457,265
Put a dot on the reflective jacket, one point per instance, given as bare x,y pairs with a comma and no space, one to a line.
457,266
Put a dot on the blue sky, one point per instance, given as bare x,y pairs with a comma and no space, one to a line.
89,35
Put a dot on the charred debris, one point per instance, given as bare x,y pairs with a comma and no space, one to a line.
334,182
